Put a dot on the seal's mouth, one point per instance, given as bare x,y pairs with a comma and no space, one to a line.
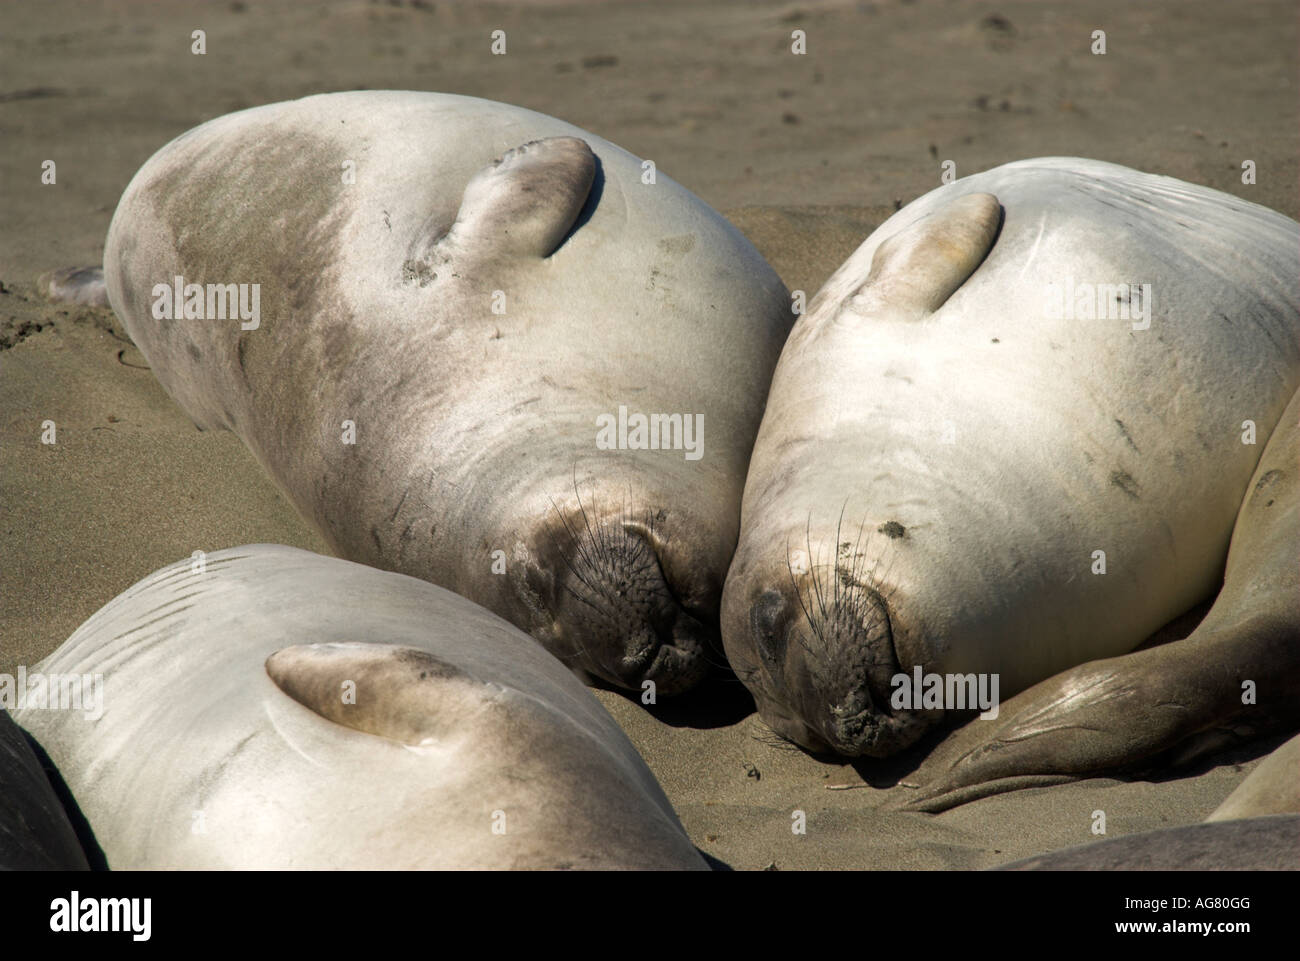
620,618
872,731
850,673
673,658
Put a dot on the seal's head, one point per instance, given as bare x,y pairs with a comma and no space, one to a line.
815,645
623,597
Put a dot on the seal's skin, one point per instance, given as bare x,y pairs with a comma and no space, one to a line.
1169,703
272,708
35,834
384,229
1251,844
948,456
1272,788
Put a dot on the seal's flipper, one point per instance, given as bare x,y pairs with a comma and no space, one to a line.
383,689
1181,699
917,269
526,202
75,285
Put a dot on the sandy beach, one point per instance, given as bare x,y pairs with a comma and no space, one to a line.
806,155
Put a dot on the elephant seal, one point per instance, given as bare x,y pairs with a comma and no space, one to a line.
1252,844
271,708
1272,788
35,833
956,479
472,345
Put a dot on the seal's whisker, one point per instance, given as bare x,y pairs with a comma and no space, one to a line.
577,545
601,549
807,614
774,739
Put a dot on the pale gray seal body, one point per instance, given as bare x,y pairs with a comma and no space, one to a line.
279,709
1272,788
464,310
944,454
1235,676
1253,844
35,833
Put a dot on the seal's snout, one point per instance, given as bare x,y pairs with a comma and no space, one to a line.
852,663
830,660
621,616
850,722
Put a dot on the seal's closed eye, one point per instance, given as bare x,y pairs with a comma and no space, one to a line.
768,622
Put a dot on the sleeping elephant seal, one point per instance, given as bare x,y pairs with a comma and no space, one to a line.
272,708
473,344
1252,844
1008,439
1272,788
35,833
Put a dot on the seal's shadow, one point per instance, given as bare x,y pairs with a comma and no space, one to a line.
887,772
1166,767
720,700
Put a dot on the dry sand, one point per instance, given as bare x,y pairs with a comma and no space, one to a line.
805,154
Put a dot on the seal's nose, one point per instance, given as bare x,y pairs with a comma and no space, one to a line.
849,721
824,671
850,674
626,623
672,655
869,731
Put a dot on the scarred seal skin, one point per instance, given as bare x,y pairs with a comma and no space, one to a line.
265,707
947,447
453,297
